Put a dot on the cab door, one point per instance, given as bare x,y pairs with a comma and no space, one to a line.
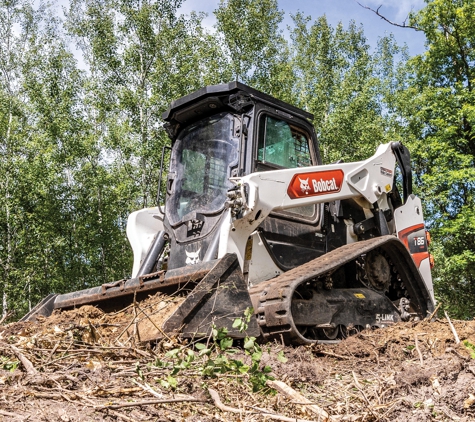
294,236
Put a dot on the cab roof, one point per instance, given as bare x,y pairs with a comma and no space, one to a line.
212,99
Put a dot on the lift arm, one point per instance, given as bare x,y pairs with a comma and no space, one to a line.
258,194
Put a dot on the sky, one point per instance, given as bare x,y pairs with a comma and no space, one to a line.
344,11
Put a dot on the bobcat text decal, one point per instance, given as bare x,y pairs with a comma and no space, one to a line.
316,183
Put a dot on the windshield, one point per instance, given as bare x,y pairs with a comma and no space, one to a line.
201,163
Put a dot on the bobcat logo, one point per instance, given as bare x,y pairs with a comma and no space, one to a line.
192,258
304,186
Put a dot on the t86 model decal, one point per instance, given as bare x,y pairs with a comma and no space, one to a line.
414,238
316,183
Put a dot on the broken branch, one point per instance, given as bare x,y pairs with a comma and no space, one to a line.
284,389
457,339
7,315
403,25
149,389
221,406
148,402
30,369
435,311
416,345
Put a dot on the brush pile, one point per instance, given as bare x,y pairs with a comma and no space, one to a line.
85,365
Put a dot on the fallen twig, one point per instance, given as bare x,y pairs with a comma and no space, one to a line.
334,355
457,339
455,352
283,388
124,330
30,369
53,350
153,323
15,415
148,402
391,407
120,415
136,322
360,389
432,315
221,406
416,345
149,389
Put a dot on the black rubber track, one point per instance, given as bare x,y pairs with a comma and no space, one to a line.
272,299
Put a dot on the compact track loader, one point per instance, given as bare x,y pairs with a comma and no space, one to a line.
252,219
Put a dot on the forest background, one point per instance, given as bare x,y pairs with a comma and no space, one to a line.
81,140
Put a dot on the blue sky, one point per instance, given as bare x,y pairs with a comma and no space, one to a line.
344,11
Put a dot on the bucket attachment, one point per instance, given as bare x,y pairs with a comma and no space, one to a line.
217,300
215,295
44,308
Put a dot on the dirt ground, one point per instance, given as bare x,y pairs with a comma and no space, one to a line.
84,365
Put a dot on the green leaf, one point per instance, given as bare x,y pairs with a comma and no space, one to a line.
249,343
237,322
200,346
159,363
7,364
267,369
226,343
248,314
470,347
221,360
281,357
244,369
172,382
221,333
204,352
256,356
139,370
172,353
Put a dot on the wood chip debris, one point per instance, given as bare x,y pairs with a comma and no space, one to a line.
85,365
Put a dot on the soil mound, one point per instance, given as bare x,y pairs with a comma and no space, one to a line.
84,365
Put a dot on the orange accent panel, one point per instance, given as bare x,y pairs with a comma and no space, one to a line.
315,183
403,235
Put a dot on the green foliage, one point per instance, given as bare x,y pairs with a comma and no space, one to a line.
81,142
255,48
217,357
128,46
35,105
242,323
344,86
80,149
281,357
139,371
438,107
7,364
470,347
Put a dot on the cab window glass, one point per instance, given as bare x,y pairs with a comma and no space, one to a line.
207,173
283,144
194,163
